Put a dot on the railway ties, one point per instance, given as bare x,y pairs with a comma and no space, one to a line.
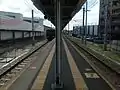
4,80
11,74
21,65
14,72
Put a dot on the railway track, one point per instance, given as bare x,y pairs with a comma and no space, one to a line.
12,71
8,46
106,72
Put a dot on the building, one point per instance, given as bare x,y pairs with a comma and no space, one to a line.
113,22
16,21
113,18
92,31
15,26
116,17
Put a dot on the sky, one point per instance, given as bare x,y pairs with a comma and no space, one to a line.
25,6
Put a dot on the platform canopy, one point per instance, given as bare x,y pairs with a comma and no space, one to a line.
68,9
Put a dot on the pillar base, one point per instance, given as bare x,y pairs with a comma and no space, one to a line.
55,86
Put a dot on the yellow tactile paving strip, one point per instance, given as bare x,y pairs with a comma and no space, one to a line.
78,79
39,82
93,66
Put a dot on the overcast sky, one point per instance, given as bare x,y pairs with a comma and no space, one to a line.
25,6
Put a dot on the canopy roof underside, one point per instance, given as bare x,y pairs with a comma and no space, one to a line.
68,9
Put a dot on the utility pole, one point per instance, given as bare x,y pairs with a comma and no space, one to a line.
86,21
83,31
33,38
110,23
106,25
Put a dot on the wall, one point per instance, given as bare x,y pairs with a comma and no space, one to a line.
18,35
15,21
6,35
116,45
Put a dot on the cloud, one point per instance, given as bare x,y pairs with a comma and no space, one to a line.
93,16
25,7
20,6
1,2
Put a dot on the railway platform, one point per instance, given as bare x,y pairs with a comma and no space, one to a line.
62,63
76,72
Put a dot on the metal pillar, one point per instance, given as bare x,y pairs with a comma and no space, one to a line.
86,21
33,28
58,38
58,84
110,25
93,31
29,35
88,30
0,35
83,31
80,32
13,35
105,30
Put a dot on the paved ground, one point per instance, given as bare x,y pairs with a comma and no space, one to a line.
24,82
93,81
66,76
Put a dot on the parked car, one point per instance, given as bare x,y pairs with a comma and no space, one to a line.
89,39
99,40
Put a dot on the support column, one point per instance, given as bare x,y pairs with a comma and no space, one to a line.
80,31
34,34
29,34
58,37
58,84
13,33
40,33
93,30
0,35
88,30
